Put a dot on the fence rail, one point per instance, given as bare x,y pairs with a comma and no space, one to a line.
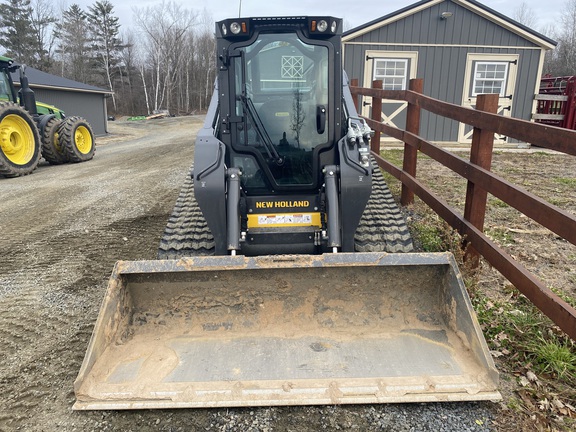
480,181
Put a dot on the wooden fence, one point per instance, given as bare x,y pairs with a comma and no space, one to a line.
480,181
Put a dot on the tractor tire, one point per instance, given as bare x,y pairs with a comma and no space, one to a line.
20,146
383,226
51,148
76,139
187,233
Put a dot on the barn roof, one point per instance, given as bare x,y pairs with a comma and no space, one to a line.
39,79
473,5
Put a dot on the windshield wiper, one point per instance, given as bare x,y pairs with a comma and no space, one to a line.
250,110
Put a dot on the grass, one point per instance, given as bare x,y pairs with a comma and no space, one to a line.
566,181
495,202
500,235
513,326
523,339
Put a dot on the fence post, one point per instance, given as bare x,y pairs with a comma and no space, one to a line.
481,155
354,83
411,153
376,116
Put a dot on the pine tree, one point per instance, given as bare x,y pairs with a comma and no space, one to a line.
17,34
74,44
106,44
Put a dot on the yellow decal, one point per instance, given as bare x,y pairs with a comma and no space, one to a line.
282,204
284,220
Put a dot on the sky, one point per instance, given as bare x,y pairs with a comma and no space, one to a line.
354,13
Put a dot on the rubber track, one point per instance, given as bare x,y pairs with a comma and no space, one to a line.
381,229
383,226
186,233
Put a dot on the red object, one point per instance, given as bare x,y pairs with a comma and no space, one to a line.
564,108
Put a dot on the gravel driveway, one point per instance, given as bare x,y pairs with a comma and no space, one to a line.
61,231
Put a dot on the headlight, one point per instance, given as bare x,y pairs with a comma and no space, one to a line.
235,28
323,27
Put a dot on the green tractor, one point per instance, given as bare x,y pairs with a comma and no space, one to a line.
30,130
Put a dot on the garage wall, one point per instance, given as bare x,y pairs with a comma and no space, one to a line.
91,106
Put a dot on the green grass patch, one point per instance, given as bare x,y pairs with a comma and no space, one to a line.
495,202
428,236
554,357
564,296
566,181
518,330
540,154
500,235
394,156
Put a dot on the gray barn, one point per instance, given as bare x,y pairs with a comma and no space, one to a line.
73,97
460,48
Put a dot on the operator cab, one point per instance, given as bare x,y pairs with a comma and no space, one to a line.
276,116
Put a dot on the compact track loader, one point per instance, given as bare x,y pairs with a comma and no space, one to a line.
287,274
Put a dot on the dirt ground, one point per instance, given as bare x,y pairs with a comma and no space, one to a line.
61,231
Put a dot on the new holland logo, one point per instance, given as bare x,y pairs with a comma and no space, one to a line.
282,204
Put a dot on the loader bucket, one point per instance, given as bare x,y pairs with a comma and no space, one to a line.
285,330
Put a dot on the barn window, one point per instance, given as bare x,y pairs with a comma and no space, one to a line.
393,73
490,77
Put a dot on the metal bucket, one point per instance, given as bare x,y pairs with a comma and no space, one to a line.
285,330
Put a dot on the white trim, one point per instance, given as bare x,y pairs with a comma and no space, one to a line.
411,55
537,87
478,10
392,44
403,79
503,81
390,20
468,99
508,25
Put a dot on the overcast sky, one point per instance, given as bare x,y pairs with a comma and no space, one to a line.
354,13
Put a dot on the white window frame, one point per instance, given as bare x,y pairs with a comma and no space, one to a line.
477,79
385,76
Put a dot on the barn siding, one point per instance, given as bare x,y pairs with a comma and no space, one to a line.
443,46
464,28
91,106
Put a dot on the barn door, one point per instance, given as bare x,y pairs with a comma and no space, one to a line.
395,69
485,74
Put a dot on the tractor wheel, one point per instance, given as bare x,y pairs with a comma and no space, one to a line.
76,139
51,148
19,141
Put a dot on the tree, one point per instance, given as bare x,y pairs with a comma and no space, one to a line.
106,44
562,61
17,34
165,29
74,44
43,19
525,15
